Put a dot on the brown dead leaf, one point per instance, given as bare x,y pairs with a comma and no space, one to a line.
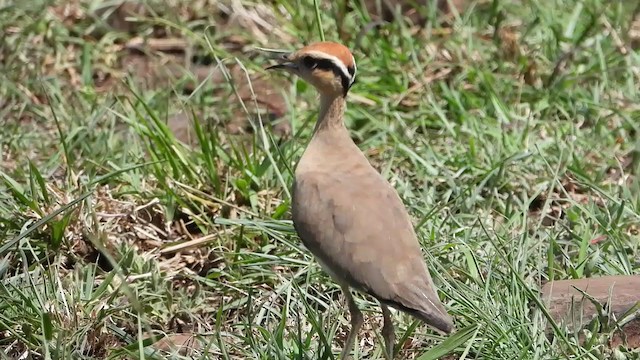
531,76
510,42
598,239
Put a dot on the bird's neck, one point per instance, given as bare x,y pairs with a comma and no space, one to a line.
331,117
331,148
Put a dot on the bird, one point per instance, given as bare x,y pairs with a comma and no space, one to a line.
347,214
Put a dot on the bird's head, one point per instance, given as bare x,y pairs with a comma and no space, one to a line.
328,66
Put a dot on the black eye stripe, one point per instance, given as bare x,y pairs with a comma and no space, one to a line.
328,65
315,63
325,64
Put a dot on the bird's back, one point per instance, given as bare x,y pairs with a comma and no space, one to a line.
354,222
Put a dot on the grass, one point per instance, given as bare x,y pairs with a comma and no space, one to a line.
511,136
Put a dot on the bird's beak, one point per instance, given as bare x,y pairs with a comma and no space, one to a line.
284,63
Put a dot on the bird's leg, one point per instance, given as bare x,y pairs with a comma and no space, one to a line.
356,323
387,331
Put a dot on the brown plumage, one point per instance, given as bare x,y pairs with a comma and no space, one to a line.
347,214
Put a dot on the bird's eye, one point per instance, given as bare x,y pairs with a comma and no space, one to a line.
310,62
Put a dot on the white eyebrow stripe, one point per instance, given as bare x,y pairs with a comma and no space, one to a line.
337,62
355,68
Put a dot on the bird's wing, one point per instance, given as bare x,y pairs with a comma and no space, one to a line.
357,225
